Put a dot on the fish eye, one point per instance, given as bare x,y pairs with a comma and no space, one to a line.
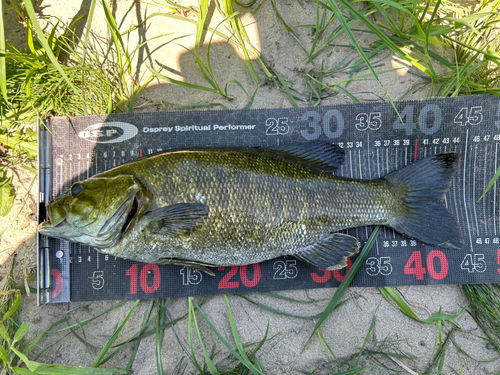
76,189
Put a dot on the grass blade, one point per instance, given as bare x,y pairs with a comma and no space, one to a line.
367,337
242,37
268,308
236,335
143,328
334,303
405,309
88,320
250,366
181,83
119,46
286,89
387,292
85,44
492,182
288,28
159,334
354,41
3,72
208,360
202,15
41,37
14,307
113,337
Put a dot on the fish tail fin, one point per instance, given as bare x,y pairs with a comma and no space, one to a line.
420,189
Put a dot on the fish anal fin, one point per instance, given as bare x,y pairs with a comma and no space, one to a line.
179,218
331,252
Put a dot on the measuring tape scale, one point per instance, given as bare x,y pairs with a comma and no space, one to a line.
376,141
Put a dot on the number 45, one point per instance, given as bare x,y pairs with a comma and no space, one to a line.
472,116
475,263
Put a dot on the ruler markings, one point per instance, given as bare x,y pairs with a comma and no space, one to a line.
495,192
378,164
387,160
350,163
360,171
484,189
464,190
369,159
360,176
473,200
445,197
454,187
61,168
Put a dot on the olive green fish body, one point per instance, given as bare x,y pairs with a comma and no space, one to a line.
253,216
234,207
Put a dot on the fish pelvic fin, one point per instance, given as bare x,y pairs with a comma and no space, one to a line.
420,189
188,263
331,252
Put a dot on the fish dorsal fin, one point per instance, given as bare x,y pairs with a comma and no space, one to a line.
331,252
179,218
319,156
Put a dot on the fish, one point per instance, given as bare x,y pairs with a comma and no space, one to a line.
207,207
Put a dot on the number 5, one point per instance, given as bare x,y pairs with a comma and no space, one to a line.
97,280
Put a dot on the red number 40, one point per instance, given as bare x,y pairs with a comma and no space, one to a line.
414,265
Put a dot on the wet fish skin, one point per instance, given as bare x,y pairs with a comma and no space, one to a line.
253,215
233,207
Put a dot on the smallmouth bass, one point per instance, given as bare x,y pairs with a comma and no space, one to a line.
236,206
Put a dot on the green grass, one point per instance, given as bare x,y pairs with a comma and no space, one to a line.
485,305
454,49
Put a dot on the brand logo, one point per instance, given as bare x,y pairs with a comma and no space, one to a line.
109,132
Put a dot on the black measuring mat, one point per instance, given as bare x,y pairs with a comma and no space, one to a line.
376,141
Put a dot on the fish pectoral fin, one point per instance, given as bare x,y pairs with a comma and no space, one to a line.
189,263
179,218
331,252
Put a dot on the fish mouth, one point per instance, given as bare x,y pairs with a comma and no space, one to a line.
134,210
48,222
